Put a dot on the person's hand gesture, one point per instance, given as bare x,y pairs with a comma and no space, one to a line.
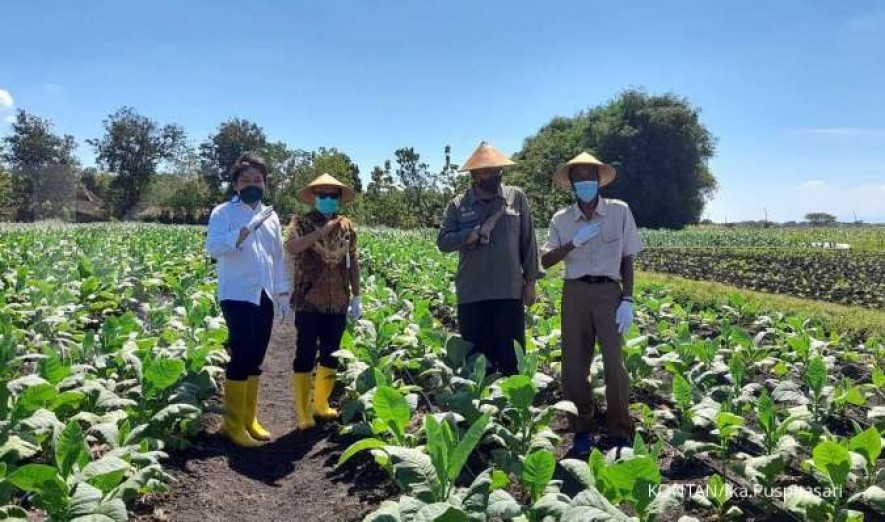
585,234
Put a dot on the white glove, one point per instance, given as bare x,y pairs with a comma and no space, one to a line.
282,303
356,307
258,219
585,234
624,316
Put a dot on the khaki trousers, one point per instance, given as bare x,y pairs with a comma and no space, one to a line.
588,315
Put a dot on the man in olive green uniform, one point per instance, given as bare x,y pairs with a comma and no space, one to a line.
490,226
597,239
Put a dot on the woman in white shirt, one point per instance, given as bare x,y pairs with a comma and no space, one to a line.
245,238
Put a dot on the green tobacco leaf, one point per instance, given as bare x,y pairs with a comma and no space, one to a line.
438,444
873,496
832,459
440,512
500,480
622,477
853,395
878,377
391,406
519,390
85,500
762,470
590,506
71,449
809,506
682,392
32,477
43,481
816,375
537,471
868,443
106,473
413,472
358,446
717,490
580,470
502,506
663,503
766,412
175,412
13,514
16,449
34,398
52,369
163,373
465,446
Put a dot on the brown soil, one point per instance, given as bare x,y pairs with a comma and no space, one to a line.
293,477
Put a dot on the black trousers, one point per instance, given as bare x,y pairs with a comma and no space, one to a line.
317,332
492,326
248,334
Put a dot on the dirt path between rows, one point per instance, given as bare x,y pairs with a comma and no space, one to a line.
293,477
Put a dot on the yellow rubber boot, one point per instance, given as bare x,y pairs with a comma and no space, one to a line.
235,403
255,429
301,391
323,385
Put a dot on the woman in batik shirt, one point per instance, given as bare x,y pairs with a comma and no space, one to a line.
321,246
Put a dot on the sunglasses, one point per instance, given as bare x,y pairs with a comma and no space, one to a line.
327,196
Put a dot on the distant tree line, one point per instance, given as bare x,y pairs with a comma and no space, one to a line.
147,170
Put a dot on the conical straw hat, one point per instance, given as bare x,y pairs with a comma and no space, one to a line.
606,173
325,180
484,157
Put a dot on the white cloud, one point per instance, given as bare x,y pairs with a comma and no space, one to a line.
9,119
6,100
51,87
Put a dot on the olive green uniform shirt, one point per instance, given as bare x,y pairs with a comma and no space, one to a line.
496,270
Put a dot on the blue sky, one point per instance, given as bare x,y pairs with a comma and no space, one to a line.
793,90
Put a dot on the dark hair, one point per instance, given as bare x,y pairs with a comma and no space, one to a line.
248,160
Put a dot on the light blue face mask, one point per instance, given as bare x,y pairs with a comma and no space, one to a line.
326,206
586,190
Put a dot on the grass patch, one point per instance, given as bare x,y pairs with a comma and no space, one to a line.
852,320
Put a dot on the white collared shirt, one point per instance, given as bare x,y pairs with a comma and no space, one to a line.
601,256
257,264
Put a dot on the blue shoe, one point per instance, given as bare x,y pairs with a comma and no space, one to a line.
582,445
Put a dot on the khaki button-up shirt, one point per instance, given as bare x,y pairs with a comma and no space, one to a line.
496,270
601,256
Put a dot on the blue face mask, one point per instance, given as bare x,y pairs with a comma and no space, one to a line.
326,206
586,190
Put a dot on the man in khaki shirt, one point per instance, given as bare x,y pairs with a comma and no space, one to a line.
597,239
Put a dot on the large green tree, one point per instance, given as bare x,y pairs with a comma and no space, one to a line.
304,166
43,167
820,219
221,149
657,143
8,204
132,148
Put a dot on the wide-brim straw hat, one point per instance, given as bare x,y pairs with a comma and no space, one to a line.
486,157
607,173
326,180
